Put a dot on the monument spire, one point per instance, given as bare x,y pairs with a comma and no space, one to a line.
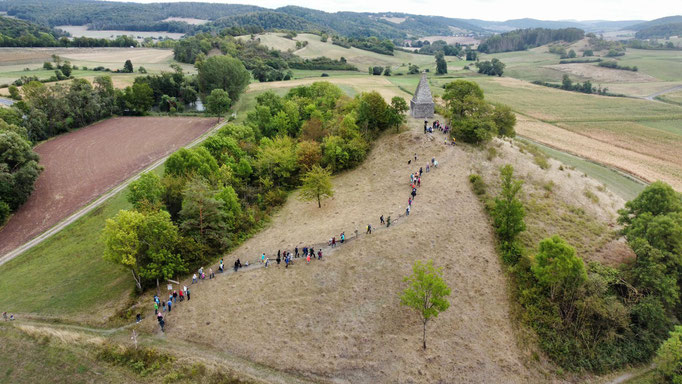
422,104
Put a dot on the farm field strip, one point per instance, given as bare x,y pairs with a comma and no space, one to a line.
64,188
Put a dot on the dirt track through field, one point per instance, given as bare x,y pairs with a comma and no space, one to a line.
81,165
340,319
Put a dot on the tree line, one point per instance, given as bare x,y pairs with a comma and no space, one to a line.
214,196
593,317
522,39
372,44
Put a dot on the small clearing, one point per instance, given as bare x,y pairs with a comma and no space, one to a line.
188,20
81,165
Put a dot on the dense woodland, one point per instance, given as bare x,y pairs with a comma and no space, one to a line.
119,15
523,39
149,17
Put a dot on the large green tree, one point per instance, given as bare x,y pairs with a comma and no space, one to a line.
144,244
223,72
317,185
19,169
557,267
218,102
508,211
397,112
146,192
426,293
203,216
441,64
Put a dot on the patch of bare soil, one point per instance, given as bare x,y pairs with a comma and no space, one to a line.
601,74
339,319
81,165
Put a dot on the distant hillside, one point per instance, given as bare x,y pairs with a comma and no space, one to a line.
659,28
118,15
522,39
588,26
14,28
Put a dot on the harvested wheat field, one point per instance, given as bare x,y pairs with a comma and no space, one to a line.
81,165
339,319
601,74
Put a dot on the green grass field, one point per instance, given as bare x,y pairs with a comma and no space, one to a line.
673,98
623,185
66,275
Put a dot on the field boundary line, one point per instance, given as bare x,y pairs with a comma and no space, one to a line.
99,201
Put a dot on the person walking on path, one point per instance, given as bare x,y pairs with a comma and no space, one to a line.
194,278
170,306
182,295
262,258
267,262
414,193
308,259
296,251
381,220
409,201
433,160
279,260
369,229
210,273
419,182
162,324
175,296
420,171
407,211
188,294
343,237
319,254
286,262
333,242
221,267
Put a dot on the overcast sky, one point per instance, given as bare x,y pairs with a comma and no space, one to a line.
489,9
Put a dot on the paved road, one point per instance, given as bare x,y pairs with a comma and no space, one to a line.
663,92
83,211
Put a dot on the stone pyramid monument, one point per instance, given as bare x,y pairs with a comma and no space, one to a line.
421,104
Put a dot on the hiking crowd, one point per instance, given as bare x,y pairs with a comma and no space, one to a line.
309,253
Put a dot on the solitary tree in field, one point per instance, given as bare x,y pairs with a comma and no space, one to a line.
441,64
128,66
427,292
317,185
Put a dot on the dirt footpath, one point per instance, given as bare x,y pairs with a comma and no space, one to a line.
81,165
340,319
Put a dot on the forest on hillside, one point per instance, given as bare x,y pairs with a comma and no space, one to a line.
523,39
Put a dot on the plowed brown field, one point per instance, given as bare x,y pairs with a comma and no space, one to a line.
81,165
